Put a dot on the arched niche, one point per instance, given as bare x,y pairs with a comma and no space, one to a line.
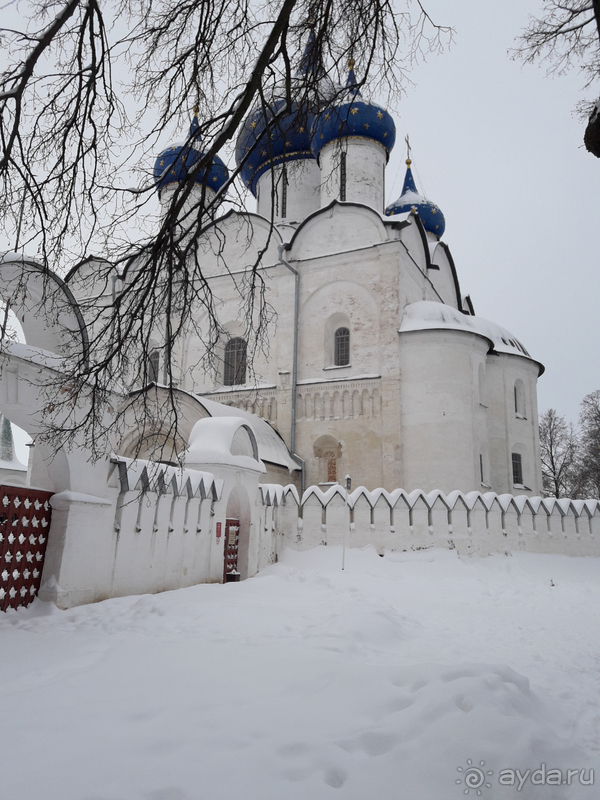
328,451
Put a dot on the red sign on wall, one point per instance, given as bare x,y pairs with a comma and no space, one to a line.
218,530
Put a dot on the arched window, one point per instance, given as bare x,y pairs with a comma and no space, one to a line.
235,362
153,365
517,469
341,347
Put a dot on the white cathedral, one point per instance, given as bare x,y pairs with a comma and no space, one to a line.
378,377
378,369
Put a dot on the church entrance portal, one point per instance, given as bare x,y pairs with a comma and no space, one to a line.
232,543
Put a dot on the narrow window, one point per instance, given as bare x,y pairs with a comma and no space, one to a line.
481,467
153,366
341,350
284,185
517,468
519,394
342,176
235,362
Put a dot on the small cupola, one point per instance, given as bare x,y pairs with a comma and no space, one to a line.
174,164
410,200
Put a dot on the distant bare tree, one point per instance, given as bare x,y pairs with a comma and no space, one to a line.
87,90
589,421
558,450
567,36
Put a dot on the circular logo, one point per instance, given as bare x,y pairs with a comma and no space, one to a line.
474,777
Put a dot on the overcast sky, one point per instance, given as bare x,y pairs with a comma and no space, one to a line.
499,149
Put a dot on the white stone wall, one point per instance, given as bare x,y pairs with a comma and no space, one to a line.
441,439
509,431
154,530
303,191
365,172
471,524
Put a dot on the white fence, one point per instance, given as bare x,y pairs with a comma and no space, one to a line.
163,535
471,523
158,528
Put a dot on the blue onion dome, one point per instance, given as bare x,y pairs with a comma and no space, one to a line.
266,139
353,117
175,162
268,136
410,200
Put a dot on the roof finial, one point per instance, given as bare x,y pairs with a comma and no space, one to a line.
408,158
194,134
351,84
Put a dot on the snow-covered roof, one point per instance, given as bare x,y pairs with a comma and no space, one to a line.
271,446
224,440
429,315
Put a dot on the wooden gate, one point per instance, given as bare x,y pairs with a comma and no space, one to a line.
232,542
24,526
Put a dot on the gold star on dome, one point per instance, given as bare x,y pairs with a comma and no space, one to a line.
379,115
354,111
433,211
215,179
413,208
366,126
172,172
253,124
301,129
385,134
263,152
162,163
327,116
250,167
288,144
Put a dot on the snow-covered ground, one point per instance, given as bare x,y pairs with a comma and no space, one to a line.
307,682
